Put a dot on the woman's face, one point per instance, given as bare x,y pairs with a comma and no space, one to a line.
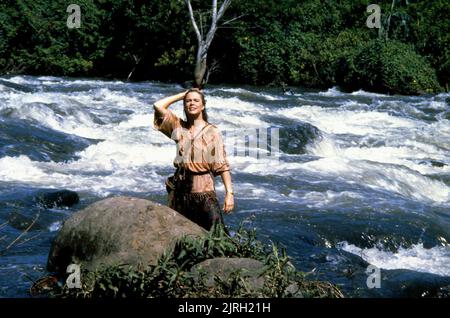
193,104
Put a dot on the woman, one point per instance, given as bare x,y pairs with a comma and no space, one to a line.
200,157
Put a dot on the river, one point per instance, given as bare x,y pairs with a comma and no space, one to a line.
342,180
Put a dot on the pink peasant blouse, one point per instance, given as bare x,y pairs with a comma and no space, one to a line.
202,153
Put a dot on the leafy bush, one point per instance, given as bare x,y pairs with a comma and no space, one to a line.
171,277
262,59
315,60
390,66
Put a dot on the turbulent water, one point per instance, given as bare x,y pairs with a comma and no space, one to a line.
343,180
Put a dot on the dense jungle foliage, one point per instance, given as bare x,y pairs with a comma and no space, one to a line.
309,43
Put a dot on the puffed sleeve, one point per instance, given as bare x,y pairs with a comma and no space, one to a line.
217,160
166,123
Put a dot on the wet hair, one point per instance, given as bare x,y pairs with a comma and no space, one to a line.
204,114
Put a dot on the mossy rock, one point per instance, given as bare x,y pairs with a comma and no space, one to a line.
223,268
118,230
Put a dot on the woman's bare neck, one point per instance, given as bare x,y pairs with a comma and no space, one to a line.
197,122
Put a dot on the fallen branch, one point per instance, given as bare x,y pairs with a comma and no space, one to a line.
22,234
28,239
4,224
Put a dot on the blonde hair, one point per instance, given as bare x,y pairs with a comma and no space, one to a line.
195,90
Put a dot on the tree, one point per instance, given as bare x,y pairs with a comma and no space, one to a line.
401,17
204,41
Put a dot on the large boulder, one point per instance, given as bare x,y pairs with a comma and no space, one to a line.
118,230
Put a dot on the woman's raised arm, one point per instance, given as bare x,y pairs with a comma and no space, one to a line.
161,105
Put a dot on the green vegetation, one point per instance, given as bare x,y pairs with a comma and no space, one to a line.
172,276
311,43
391,67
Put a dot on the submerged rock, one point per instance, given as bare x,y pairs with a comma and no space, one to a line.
118,230
295,138
433,163
61,198
17,87
22,222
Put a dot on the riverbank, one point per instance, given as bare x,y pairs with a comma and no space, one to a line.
299,43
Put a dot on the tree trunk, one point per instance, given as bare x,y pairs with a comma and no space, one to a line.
201,65
204,42
200,72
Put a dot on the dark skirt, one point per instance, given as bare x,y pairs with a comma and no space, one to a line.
200,207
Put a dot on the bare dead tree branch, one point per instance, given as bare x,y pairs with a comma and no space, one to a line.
136,62
215,65
28,239
214,10
194,24
23,233
223,8
204,42
234,19
4,224
200,16
215,19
